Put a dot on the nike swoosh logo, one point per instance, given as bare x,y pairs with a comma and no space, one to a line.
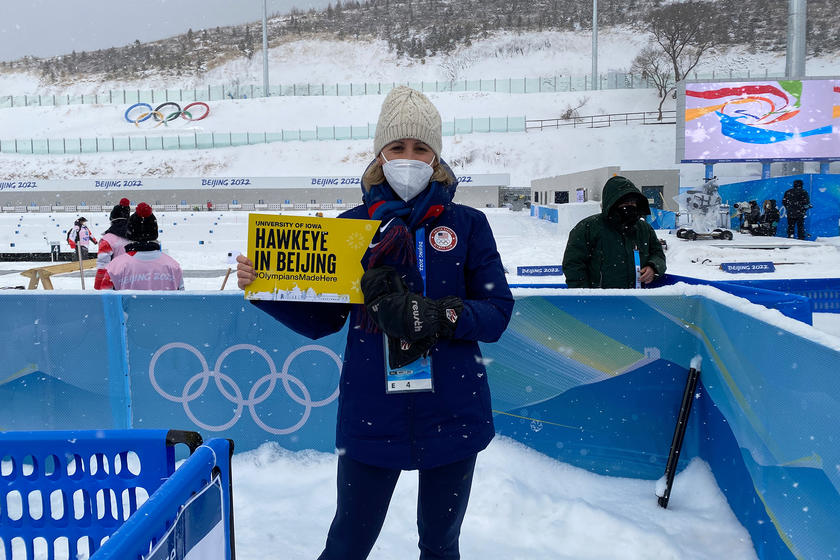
383,228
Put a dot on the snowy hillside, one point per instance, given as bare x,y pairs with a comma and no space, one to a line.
525,156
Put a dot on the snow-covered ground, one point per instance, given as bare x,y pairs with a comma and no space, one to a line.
201,241
524,505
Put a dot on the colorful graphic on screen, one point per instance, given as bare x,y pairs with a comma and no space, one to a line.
767,120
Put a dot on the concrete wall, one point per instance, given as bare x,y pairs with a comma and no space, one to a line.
593,182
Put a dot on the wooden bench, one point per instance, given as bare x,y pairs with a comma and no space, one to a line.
43,273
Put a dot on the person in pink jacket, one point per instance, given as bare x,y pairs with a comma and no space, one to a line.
78,237
143,266
113,241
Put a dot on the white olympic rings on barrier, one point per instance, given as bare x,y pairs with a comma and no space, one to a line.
202,378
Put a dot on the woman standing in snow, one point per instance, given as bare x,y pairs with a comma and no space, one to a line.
429,322
78,237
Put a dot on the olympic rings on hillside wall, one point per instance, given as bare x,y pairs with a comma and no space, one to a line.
234,393
166,112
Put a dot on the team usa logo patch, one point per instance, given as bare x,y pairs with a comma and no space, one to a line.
443,238
451,315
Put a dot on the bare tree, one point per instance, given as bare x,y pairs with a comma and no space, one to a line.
680,30
654,66
453,66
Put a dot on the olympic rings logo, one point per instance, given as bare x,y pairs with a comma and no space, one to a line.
191,392
166,112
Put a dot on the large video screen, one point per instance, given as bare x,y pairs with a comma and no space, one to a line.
762,120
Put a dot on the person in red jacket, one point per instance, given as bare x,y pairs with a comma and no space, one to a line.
113,241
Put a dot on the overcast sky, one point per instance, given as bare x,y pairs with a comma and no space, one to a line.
51,27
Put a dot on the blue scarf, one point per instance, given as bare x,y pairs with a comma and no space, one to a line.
394,242
399,219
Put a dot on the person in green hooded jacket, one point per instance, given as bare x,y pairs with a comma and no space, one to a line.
616,248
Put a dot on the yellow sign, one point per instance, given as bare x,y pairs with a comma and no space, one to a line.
300,258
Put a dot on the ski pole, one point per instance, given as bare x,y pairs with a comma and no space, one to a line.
679,432
229,270
81,264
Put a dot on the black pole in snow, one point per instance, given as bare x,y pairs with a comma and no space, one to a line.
679,430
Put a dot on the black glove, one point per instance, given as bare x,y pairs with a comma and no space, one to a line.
402,352
403,314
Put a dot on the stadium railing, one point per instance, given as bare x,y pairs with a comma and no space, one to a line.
208,140
534,84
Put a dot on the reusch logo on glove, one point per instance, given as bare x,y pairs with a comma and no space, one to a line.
404,344
415,313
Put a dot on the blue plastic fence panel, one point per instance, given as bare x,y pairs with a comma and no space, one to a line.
104,144
324,133
72,489
153,143
515,124
170,142
359,132
239,139
122,144
220,139
189,516
204,140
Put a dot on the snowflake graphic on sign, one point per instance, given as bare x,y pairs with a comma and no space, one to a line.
356,240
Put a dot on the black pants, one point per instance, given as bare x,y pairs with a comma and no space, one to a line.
764,229
799,224
364,493
83,250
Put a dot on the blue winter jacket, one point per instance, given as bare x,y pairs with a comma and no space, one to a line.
419,430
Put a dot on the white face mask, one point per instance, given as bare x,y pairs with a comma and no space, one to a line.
407,177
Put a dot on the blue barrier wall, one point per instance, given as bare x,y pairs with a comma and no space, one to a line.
589,378
823,219
824,293
797,299
547,213
770,295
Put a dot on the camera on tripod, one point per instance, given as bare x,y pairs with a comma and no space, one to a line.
742,207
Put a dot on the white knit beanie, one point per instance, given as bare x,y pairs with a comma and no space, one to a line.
407,113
